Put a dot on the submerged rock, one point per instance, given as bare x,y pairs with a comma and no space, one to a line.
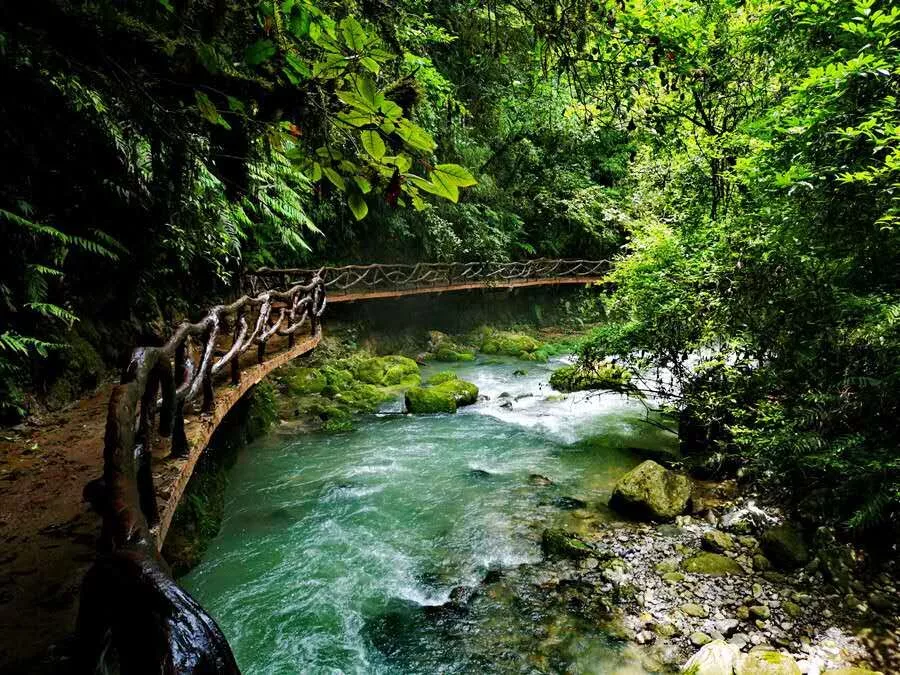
565,544
715,658
784,546
652,492
539,480
713,564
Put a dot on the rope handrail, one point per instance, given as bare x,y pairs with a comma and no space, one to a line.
404,276
129,597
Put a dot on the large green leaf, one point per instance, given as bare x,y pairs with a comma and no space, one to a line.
353,34
415,136
373,144
446,190
391,110
336,179
402,162
453,173
259,51
357,204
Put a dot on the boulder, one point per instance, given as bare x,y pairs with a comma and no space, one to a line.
715,658
441,377
717,541
556,542
851,671
579,378
699,639
784,546
765,662
695,610
511,344
746,519
384,371
713,564
652,492
306,381
445,397
837,561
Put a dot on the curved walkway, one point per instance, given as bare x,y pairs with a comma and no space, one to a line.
49,533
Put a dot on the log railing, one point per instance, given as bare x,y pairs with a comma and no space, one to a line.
129,599
374,278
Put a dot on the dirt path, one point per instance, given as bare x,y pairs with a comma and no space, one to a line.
48,533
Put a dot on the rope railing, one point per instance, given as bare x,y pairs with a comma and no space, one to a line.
378,277
129,598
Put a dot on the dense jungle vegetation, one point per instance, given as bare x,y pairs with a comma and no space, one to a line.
739,159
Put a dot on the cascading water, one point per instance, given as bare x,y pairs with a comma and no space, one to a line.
341,553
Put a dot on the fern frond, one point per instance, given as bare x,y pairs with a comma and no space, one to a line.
52,311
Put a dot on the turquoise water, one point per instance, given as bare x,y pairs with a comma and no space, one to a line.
339,553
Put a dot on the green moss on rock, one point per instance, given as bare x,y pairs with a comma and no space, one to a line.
578,378
512,344
556,542
785,547
306,381
444,397
447,354
427,400
650,491
766,663
338,379
713,564
441,377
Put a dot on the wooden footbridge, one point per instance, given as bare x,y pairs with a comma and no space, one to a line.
161,416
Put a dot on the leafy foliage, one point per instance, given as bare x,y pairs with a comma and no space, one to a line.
762,267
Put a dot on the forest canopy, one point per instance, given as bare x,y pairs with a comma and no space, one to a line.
738,159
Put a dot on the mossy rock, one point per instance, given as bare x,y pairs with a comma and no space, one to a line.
306,381
578,378
338,379
556,542
444,397
384,371
766,663
650,491
717,541
441,377
714,658
511,344
851,671
784,546
452,354
426,400
712,564
362,397
399,370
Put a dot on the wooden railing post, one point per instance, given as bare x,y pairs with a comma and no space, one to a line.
236,361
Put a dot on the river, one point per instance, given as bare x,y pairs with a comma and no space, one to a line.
340,552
